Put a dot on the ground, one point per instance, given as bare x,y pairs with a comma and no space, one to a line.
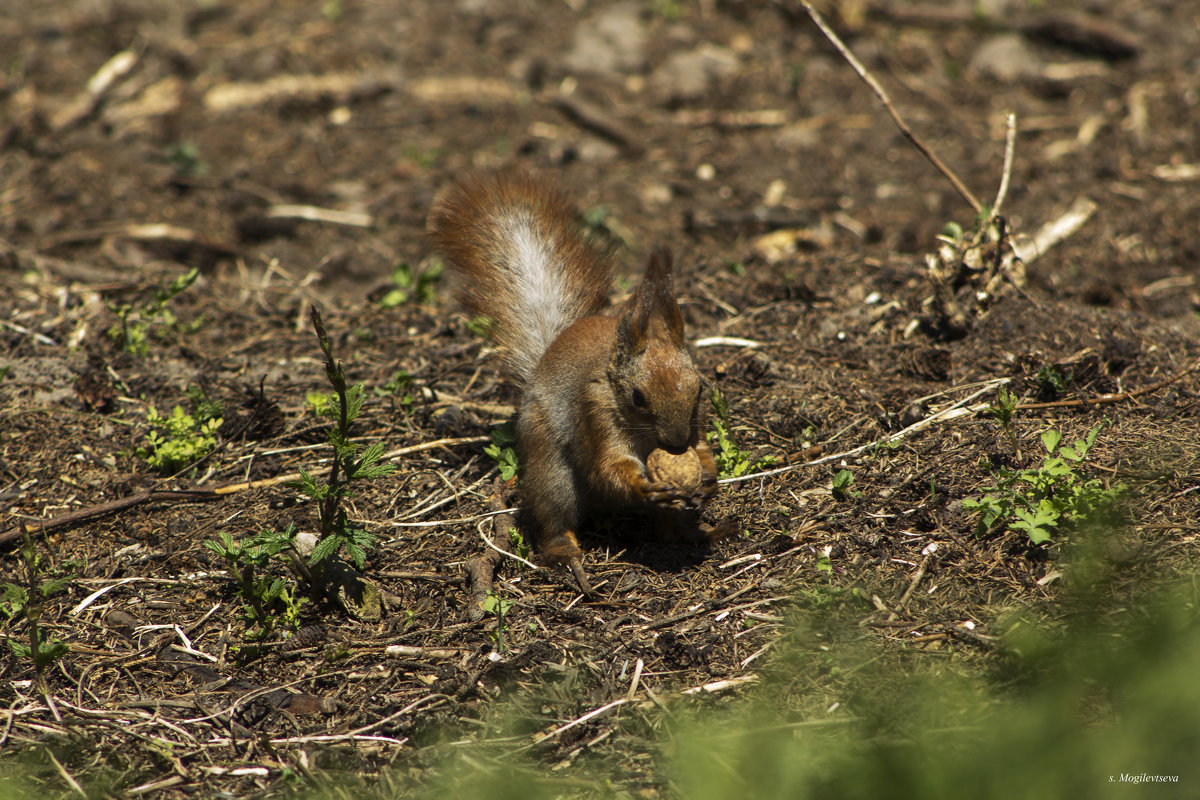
289,153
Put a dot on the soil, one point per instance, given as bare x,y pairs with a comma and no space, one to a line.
290,152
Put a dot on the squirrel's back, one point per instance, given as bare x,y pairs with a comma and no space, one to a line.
517,249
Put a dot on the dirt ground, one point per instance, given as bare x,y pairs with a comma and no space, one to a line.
290,152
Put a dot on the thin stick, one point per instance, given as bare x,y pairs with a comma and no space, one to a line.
892,437
390,456
902,603
1010,140
720,686
74,784
103,509
490,544
954,411
1054,232
1111,398
590,715
958,185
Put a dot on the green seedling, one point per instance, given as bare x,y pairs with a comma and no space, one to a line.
520,547
185,159
398,387
351,462
669,10
269,598
499,606
885,447
26,601
1055,495
180,439
424,157
318,403
482,326
137,323
1003,409
408,284
1052,381
502,450
732,461
842,481
266,599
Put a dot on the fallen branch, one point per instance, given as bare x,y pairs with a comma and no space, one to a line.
198,494
1108,399
950,412
960,409
1054,232
104,509
869,79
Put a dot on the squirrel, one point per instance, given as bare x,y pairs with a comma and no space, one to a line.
598,393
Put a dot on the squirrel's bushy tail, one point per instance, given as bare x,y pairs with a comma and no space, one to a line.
515,246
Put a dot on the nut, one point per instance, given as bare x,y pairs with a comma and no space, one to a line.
679,470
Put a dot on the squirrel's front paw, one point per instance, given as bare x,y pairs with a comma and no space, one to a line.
664,495
706,492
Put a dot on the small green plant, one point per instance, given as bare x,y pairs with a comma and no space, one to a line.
185,159
732,461
1052,381
398,387
520,547
424,157
1003,409
180,439
885,447
351,462
952,233
843,479
266,599
502,450
137,323
318,403
1038,501
499,606
409,284
27,601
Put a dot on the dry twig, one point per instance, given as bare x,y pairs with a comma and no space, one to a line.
869,79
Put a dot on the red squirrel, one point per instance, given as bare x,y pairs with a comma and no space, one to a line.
598,393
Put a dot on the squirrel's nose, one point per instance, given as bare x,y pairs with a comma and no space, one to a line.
674,437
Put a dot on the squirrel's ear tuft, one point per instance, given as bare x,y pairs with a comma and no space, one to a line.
656,296
652,311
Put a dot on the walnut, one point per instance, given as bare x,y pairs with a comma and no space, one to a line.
679,470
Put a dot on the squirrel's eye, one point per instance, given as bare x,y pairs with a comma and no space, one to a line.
639,399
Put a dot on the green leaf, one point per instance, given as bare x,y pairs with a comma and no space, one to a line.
354,401
357,555
324,549
953,231
52,586
1050,440
1071,454
1038,536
